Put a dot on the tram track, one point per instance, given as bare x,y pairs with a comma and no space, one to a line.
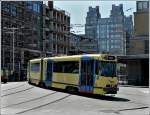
121,110
13,87
30,100
37,107
143,104
17,91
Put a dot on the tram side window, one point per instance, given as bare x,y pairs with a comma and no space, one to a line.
66,67
35,67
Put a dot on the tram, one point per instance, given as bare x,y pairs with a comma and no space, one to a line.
89,73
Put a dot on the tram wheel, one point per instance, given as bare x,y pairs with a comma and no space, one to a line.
42,85
72,90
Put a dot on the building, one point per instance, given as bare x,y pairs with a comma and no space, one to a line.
128,26
21,35
113,32
80,44
31,29
87,45
74,44
129,31
139,45
137,60
140,42
91,23
56,30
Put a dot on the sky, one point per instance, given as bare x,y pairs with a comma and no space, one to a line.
78,10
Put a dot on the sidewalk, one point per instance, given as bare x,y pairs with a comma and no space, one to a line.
133,86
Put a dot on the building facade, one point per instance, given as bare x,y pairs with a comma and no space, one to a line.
74,44
81,44
87,45
91,23
113,32
56,30
140,42
137,60
21,34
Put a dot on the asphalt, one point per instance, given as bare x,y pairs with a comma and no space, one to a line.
22,98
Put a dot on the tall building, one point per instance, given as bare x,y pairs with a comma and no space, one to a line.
128,26
91,23
140,42
56,30
21,34
112,32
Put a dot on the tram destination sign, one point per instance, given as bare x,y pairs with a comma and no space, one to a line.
109,57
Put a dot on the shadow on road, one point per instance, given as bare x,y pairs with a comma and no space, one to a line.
104,97
94,96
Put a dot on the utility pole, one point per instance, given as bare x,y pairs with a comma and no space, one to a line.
42,45
13,48
13,45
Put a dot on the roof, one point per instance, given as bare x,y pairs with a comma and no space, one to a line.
73,57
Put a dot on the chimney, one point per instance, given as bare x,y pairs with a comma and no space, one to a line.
50,5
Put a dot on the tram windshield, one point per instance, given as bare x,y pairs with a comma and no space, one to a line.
107,69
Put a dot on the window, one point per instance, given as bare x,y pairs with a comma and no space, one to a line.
39,7
29,5
35,67
145,5
140,5
112,46
108,69
35,7
5,7
13,10
97,67
66,67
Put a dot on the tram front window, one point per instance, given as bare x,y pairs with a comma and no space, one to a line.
107,69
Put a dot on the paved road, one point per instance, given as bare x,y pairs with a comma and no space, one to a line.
22,98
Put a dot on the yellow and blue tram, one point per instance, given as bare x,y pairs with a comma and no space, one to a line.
90,73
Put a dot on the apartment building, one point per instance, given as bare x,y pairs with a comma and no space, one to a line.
21,34
56,30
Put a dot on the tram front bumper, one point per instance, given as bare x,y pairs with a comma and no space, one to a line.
111,90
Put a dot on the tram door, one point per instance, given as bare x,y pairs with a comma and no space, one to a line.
49,73
87,75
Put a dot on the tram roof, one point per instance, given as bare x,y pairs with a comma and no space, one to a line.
73,57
